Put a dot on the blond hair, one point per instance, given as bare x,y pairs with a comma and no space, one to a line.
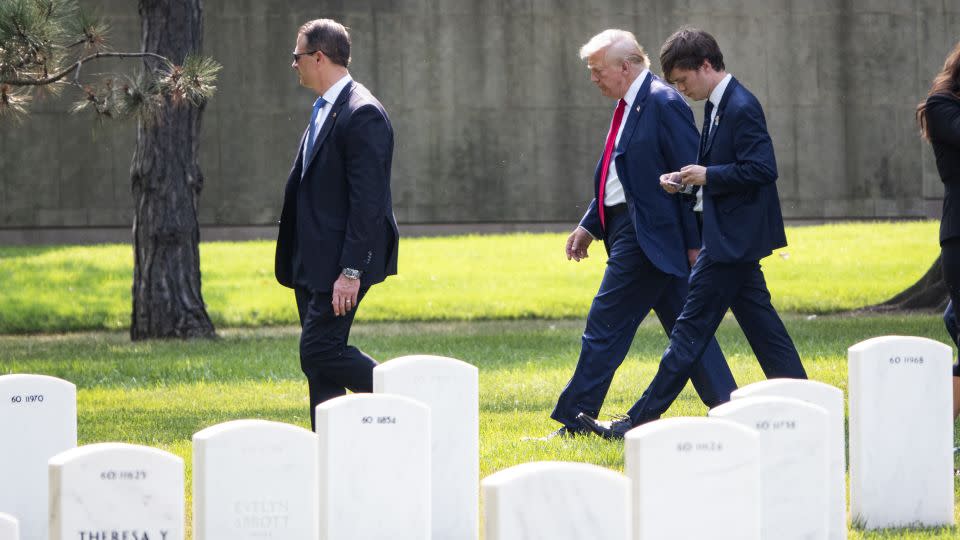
620,45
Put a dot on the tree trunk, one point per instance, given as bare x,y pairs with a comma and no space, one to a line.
928,293
166,183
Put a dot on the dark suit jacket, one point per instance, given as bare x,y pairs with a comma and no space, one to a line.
659,136
943,126
741,207
338,213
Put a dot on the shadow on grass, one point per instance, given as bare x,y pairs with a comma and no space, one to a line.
270,354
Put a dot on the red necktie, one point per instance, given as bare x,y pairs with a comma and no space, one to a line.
607,152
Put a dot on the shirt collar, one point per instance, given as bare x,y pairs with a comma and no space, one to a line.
332,93
717,93
635,87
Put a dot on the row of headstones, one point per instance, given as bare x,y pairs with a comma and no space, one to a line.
761,466
767,465
260,479
404,459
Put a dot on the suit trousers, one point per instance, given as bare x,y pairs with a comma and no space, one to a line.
714,288
631,286
331,366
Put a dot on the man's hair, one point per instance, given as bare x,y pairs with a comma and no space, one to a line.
687,48
329,37
620,45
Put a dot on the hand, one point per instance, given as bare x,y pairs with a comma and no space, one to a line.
345,292
670,182
693,175
692,255
577,244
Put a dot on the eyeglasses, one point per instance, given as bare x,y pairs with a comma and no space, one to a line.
296,55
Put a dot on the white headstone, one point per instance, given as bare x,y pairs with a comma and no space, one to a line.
38,419
255,480
831,399
374,467
552,500
9,529
793,463
451,389
113,490
694,478
901,433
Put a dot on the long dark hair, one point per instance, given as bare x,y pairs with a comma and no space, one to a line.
946,82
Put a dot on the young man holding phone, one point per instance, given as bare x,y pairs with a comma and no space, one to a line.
736,173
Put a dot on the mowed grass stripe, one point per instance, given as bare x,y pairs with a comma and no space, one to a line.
825,269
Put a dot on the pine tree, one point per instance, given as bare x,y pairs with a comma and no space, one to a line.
44,47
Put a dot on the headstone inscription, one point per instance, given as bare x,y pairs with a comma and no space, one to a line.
703,467
830,398
110,491
374,467
255,480
793,463
901,433
38,419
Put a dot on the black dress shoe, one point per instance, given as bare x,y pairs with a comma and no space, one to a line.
564,432
614,429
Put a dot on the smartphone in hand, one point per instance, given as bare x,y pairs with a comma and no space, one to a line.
672,179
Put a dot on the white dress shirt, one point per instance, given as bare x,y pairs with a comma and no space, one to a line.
613,191
714,98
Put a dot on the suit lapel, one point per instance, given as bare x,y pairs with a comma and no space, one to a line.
299,160
328,123
633,116
720,108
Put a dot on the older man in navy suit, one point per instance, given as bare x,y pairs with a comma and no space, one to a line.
736,174
651,237
338,235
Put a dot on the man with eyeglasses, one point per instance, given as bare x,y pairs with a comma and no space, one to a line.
338,235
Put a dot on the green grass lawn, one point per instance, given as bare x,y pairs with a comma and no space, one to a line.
160,393
510,304
825,269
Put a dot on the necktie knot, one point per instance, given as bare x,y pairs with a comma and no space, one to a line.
319,103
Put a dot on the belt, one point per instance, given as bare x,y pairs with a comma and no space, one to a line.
613,211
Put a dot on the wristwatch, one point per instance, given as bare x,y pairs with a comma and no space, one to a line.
351,273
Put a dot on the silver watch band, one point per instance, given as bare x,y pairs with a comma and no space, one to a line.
351,273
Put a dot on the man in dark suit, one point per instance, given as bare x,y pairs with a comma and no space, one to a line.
338,235
736,173
651,237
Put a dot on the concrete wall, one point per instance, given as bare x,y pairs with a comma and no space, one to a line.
496,119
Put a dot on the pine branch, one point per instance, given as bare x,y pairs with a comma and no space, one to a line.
76,43
76,65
